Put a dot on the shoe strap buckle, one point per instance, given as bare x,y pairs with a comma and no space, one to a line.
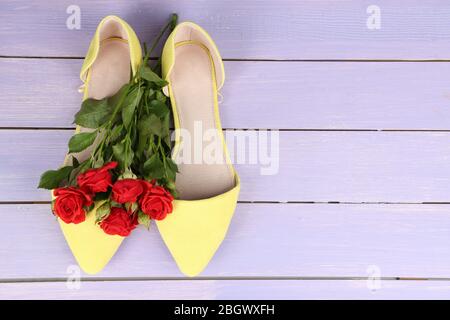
81,88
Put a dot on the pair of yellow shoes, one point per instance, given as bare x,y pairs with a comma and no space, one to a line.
208,193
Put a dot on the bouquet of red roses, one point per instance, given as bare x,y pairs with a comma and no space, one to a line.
119,166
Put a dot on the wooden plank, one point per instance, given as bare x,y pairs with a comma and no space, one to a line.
269,29
309,166
277,95
230,289
264,240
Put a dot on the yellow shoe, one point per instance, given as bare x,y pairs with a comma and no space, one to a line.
113,55
208,191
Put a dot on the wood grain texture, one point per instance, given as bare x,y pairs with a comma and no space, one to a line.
264,240
276,95
282,29
313,166
273,250
230,289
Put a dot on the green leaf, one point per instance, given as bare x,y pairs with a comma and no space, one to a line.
123,153
150,93
116,132
102,212
155,125
144,219
170,185
134,206
160,96
93,113
127,174
115,204
130,104
131,207
127,115
166,140
119,151
81,141
51,179
150,124
108,153
116,103
114,100
172,165
159,108
142,143
99,163
82,167
165,126
172,169
171,176
146,73
154,167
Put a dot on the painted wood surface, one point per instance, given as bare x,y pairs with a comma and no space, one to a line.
381,176
281,29
275,95
264,240
313,166
230,289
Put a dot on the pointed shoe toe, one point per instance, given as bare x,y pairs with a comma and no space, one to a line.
196,228
91,247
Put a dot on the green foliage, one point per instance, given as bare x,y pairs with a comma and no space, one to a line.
131,127
81,141
52,179
93,113
146,73
154,168
144,219
102,211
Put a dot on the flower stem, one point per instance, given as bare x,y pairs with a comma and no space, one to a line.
171,24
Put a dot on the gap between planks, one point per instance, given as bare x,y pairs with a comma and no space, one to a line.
281,278
249,60
253,129
274,202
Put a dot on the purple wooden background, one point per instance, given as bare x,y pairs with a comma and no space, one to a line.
360,206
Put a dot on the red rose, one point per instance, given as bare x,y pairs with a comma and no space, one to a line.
119,222
127,190
69,204
96,180
156,202
147,185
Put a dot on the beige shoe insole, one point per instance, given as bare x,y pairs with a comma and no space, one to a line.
192,86
110,71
